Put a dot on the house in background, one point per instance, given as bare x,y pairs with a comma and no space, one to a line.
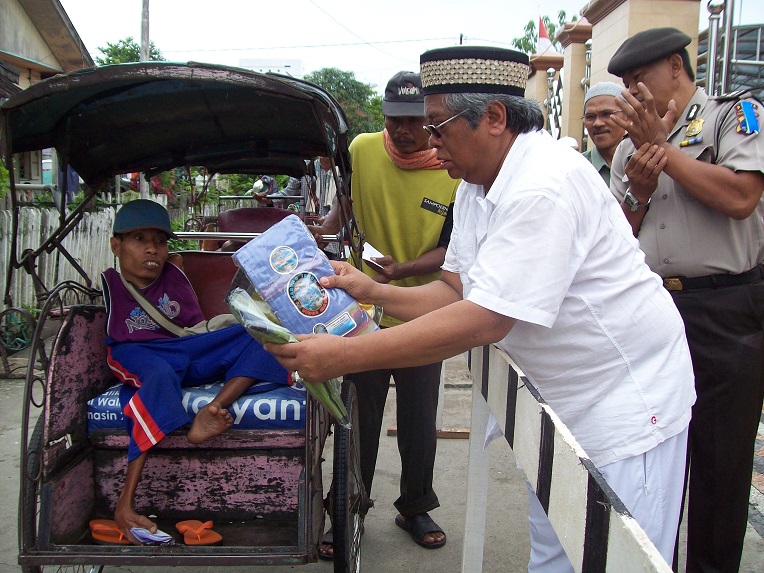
9,81
37,41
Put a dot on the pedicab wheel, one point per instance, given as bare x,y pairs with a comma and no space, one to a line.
194,224
350,501
16,329
30,504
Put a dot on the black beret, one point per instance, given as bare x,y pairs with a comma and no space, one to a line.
474,69
646,47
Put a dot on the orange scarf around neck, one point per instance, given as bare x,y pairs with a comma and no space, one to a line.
418,160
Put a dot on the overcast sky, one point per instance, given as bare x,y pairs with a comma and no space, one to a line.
372,39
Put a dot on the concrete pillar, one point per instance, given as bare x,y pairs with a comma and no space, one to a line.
573,38
615,20
538,81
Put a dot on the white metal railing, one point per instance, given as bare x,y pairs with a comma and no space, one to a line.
593,525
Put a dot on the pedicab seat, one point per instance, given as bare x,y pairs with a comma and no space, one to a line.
265,406
210,273
250,219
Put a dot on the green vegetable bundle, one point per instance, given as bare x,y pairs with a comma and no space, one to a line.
261,322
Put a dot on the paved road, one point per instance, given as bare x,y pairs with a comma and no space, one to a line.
386,548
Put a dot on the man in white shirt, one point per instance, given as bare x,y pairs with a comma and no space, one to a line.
543,263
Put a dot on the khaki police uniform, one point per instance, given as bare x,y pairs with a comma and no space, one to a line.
711,264
680,235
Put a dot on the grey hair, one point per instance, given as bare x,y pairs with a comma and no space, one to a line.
523,115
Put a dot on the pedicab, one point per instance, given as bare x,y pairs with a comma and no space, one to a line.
262,486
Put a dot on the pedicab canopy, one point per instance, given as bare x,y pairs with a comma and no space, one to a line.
154,116
151,117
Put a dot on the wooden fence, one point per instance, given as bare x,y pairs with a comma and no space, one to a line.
87,243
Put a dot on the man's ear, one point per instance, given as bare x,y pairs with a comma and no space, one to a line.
677,64
114,242
496,115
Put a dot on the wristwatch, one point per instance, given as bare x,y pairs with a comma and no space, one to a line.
632,204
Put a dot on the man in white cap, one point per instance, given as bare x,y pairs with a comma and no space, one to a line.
599,105
542,263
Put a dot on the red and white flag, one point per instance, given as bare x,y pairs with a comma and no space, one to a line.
544,44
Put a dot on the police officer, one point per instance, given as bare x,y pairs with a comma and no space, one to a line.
690,180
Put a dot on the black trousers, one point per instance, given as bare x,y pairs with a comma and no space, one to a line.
725,330
416,392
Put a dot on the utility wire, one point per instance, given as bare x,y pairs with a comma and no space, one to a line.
353,33
311,46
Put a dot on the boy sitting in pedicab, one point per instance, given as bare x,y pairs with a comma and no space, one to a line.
153,364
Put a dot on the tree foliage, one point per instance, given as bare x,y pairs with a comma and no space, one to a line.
5,181
528,42
125,51
362,106
240,183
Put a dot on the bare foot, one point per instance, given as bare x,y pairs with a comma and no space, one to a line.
211,421
127,518
434,537
326,550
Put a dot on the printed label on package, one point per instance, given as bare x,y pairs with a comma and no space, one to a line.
341,324
283,260
307,295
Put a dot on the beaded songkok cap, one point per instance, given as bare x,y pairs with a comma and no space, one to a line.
474,69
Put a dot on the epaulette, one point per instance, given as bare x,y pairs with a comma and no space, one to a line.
747,116
736,95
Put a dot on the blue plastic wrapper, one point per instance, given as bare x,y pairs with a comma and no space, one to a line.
276,294
284,265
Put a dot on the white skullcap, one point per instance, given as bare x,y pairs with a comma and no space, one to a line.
603,89
569,141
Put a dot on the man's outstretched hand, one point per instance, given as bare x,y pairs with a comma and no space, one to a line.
316,357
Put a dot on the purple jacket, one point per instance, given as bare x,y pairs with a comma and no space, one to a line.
171,293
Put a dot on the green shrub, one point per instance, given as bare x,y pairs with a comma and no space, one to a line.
5,181
176,245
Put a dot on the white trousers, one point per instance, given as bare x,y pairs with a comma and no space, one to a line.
649,485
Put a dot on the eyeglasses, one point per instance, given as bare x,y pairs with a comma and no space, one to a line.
435,129
603,115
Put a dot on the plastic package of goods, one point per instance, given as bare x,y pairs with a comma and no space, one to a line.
284,265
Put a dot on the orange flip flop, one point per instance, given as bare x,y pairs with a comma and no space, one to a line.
197,533
106,532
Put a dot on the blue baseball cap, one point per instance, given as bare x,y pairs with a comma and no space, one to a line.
142,214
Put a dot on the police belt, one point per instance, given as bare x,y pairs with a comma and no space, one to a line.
714,281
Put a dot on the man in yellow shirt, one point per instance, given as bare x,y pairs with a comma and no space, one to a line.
403,202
